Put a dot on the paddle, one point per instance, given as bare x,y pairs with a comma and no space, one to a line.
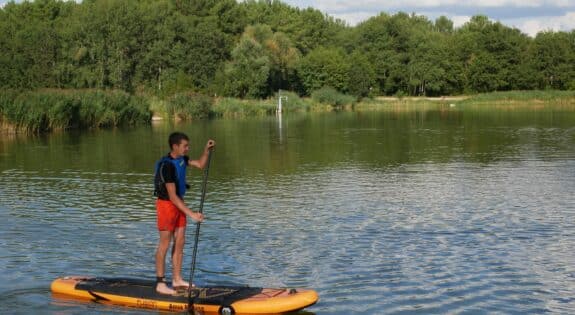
204,185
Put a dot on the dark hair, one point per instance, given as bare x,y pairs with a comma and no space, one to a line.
176,138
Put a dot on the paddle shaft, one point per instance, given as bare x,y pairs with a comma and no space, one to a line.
198,224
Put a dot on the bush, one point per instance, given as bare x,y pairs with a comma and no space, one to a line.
233,107
187,106
400,94
331,96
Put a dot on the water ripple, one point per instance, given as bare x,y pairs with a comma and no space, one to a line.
428,238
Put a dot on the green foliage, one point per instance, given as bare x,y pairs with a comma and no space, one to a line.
553,58
44,110
331,96
361,75
306,28
324,66
233,107
284,58
186,106
262,62
7,97
522,96
443,25
246,75
292,102
252,49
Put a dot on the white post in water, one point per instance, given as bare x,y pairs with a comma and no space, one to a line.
280,97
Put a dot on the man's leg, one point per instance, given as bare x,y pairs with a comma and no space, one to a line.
177,257
163,245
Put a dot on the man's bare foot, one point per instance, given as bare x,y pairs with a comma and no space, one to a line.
163,288
180,284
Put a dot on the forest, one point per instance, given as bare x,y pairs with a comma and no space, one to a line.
252,49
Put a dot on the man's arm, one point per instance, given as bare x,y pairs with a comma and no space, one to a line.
179,203
203,160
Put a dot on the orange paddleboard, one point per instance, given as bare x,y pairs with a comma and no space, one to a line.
207,300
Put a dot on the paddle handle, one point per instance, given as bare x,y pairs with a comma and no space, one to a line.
198,224
205,181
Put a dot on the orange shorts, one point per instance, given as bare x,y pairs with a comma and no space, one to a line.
169,217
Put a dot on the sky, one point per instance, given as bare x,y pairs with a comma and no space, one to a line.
529,16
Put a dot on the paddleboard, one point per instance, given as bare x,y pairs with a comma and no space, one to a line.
226,300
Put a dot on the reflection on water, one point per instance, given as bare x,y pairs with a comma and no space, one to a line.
433,212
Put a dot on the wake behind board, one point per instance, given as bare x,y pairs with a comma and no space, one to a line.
206,300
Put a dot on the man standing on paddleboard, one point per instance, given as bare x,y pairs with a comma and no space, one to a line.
170,187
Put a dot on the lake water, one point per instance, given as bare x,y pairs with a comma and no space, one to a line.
420,211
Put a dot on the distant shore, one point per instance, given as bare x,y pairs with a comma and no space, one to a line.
52,109
423,98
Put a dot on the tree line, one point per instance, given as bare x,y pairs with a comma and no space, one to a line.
252,49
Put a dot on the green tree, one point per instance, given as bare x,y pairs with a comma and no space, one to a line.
443,25
247,74
283,60
491,54
361,76
169,46
553,60
324,67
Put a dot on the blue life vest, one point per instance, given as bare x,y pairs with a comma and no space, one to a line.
180,166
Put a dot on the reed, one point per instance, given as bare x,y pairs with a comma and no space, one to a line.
46,110
292,102
521,96
189,106
232,107
329,95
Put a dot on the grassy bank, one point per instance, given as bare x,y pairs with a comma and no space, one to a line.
48,110
190,106
509,99
522,97
54,109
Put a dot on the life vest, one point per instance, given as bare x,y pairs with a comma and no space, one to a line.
180,167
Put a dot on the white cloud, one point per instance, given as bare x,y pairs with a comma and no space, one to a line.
530,16
459,20
354,18
532,26
338,5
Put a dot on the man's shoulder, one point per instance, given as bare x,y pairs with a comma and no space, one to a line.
172,162
166,164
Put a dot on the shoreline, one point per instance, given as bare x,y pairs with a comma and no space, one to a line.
51,110
423,98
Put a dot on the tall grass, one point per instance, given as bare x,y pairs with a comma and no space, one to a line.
45,110
189,106
7,97
292,102
331,96
511,96
232,107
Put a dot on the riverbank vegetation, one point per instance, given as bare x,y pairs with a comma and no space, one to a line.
537,96
46,110
227,58
509,100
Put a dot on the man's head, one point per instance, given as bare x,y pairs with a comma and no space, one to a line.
179,143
